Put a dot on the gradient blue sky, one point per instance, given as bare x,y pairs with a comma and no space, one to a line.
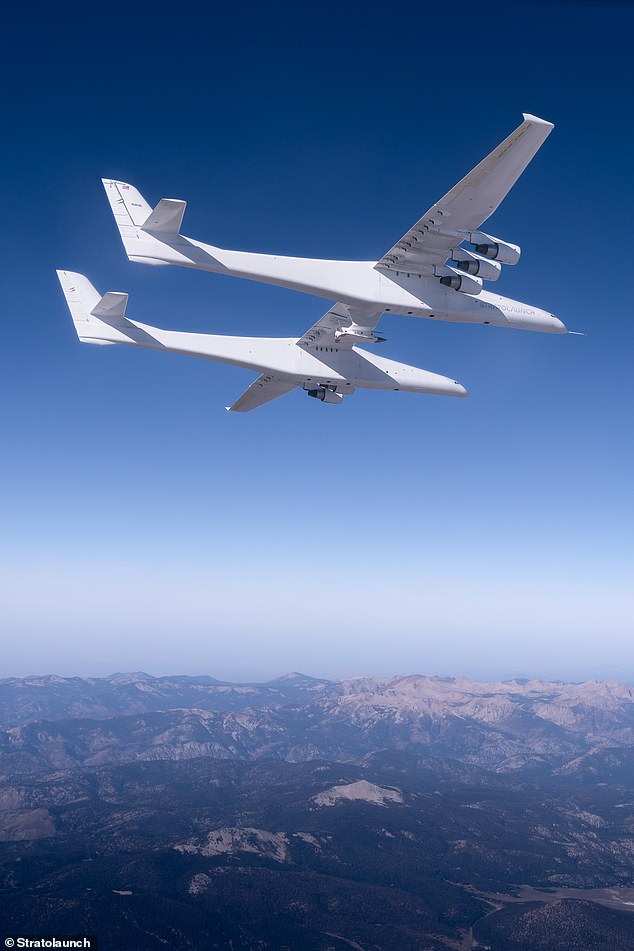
144,527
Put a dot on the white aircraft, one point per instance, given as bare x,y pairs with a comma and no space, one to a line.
428,273
328,367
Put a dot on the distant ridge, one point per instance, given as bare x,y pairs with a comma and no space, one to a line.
129,678
48,723
296,679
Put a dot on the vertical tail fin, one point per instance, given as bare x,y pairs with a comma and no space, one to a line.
81,298
147,233
129,207
97,319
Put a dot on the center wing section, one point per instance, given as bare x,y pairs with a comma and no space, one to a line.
343,327
467,206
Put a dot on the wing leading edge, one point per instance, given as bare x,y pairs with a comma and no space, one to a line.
466,207
263,390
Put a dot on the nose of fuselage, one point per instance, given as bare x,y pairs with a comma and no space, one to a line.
530,318
427,382
557,325
547,322
449,387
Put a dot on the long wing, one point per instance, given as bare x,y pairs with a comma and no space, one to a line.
343,327
469,203
261,391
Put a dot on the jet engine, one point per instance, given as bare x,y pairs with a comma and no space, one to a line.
495,248
474,264
457,280
326,395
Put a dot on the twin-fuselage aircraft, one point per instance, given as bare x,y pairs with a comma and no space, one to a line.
437,270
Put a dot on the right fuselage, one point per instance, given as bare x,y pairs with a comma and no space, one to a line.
352,282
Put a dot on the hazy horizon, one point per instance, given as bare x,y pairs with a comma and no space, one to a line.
483,674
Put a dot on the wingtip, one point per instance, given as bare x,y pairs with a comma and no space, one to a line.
535,120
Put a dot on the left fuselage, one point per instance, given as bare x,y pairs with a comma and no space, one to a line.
287,358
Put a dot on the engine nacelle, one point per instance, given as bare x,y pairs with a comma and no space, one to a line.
457,280
326,395
474,264
495,248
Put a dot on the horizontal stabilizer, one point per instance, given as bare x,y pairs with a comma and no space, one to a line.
167,217
111,305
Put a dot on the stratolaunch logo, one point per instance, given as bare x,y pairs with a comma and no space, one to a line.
52,941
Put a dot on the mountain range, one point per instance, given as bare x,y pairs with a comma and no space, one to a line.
54,722
400,813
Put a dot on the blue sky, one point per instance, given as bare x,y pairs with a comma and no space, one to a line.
142,525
